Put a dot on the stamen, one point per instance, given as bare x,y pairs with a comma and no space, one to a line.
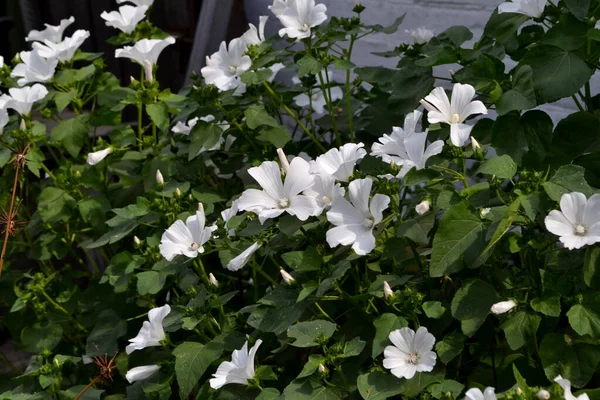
284,203
454,119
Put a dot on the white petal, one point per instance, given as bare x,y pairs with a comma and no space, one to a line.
459,134
573,205
558,224
141,373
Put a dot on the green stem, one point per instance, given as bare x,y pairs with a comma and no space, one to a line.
62,309
326,91
140,128
324,313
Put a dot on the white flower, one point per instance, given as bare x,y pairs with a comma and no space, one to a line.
421,35
96,157
391,147
278,7
477,394
278,197
213,281
228,214
126,19
184,128
254,36
1,61
275,68
543,394
160,180
416,152
287,278
423,207
188,238
21,99
503,307
300,16
354,222
531,8
455,113
240,261
141,373
138,3
145,52
339,162
65,50
316,95
3,119
34,68
566,385
51,33
325,190
410,353
578,222
387,290
224,68
152,332
239,370
485,211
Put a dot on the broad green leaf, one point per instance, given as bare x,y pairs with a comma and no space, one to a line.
72,134
434,309
310,389
579,8
378,385
548,304
90,393
417,176
63,99
450,346
277,136
437,52
591,267
441,390
353,348
388,30
108,329
384,324
457,34
585,318
568,34
308,334
417,229
40,336
457,242
568,178
503,27
501,166
520,328
414,386
302,261
574,136
522,94
256,77
308,65
256,116
159,114
483,73
314,360
574,361
471,304
269,394
150,282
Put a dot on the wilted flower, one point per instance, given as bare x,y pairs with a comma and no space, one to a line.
287,278
391,148
160,180
147,3
578,222
503,307
140,373
254,36
543,394
213,281
152,332
65,50
388,293
354,222
340,162
422,207
21,99
146,53
239,370
477,394
224,68
34,68
299,17
411,352
240,261
455,113
421,35
51,33
566,385
531,8
96,157
278,197
186,238
126,19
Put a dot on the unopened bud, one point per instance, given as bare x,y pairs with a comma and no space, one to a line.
148,70
322,369
201,207
213,280
503,307
287,277
422,207
543,394
137,241
168,297
177,192
519,391
388,293
160,180
485,211
23,125
78,174
339,110
475,144
285,165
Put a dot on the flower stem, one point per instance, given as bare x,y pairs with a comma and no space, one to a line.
62,309
87,387
9,218
140,128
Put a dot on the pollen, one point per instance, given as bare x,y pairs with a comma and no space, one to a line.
284,203
454,119
194,246
305,28
368,222
580,230
413,358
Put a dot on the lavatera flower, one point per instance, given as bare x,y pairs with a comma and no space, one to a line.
146,53
126,19
477,394
152,332
22,99
34,68
454,113
299,17
52,33
355,220
225,67
531,8
411,352
339,163
255,36
239,370
65,50
578,222
565,384
186,238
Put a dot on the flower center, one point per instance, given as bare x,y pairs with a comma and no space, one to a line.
232,69
194,246
413,358
368,222
580,230
284,203
305,28
454,119
326,200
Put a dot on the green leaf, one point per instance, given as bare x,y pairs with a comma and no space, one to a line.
520,328
574,361
204,136
159,114
256,77
109,327
568,178
503,27
378,385
414,386
591,267
585,318
568,34
63,99
502,166
548,304
344,65
384,325
310,333
55,205
310,389
72,134
40,336
417,229
314,360
483,73
521,382
522,94
450,346
256,116
268,394
416,176
388,30
574,136
150,282
457,242
90,393
436,53
471,304
277,136
434,309
308,65
353,348
557,73
302,261
132,211
457,34
447,386
579,8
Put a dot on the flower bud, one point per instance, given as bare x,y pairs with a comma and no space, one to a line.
322,369
201,207
136,241
503,307
159,178
475,144
148,70
23,125
543,394
423,207
213,280
485,211
177,192
519,391
168,297
285,165
287,277
388,293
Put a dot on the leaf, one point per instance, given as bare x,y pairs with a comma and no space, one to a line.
150,282
40,336
448,388
388,30
591,267
450,346
108,329
302,261
519,328
159,114
353,348
503,27
501,166
257,116
434,309
585,318
548,304
412,387
471,304
71,134
568,178
579,8
308,65
457,242
310,389
457,35
378,385
268,394
568,34
574,136
384,325
522,94
256,77
314,360
417,176
277,136
557,73
310,333
63,99
417,229
574,361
